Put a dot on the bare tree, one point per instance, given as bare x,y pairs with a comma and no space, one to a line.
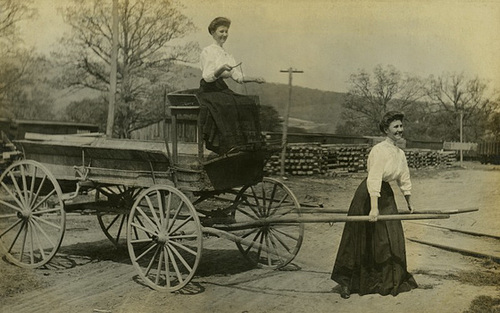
454,96
11,13
21,91
92,111
25,92
493,127
150,42
371,95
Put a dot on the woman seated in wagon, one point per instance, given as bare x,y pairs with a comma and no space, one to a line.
228,121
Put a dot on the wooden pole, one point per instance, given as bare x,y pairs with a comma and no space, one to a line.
303,210
492,256
112,75
290,72
326,219
467,232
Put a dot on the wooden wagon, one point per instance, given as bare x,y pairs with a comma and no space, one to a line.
159,196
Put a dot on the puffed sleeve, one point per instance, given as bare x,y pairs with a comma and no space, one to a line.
207,64
376,164
237,75
404,181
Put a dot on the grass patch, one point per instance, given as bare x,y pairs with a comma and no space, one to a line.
14,280
479,278
474,278
484,304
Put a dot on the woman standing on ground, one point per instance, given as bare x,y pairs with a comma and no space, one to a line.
228,120
372,255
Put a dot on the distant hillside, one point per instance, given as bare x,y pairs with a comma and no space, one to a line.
321,107
308,105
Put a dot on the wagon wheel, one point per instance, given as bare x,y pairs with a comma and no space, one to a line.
273,245
32,216
164,238
114,222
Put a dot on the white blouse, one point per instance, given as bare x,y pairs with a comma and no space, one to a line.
214,56
387,162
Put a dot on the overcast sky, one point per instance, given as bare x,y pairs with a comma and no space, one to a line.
330,39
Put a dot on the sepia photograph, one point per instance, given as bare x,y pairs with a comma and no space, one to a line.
249,156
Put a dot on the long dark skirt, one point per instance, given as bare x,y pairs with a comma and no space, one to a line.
228,120
372,255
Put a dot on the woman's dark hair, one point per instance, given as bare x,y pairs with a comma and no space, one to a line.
388,118
218,21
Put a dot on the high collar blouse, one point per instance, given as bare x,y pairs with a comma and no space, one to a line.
387,162
214,56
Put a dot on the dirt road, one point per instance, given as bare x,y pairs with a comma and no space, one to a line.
90,275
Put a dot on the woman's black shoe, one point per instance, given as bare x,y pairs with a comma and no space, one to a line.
345,293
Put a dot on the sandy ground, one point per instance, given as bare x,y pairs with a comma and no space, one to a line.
90,275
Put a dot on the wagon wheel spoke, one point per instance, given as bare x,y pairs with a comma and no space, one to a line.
11,206
113,219
34,222
279,205
167,246
176,267
13,197
20,231
246,213
151,262
153,211
32,186
39,243
249,207
259,247
273,193
167,269
159,268
193,252
251,245
174,218
274,245
145,252
179,257
282,242
17,189
39,189
16,222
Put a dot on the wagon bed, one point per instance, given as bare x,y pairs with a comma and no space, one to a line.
97,160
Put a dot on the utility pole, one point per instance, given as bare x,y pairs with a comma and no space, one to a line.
112,75
461,137
290,72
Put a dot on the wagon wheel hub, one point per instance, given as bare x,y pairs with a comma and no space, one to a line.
25,214
162,238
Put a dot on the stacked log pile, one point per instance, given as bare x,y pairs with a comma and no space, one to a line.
336,159
421,158
300,159
344,158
